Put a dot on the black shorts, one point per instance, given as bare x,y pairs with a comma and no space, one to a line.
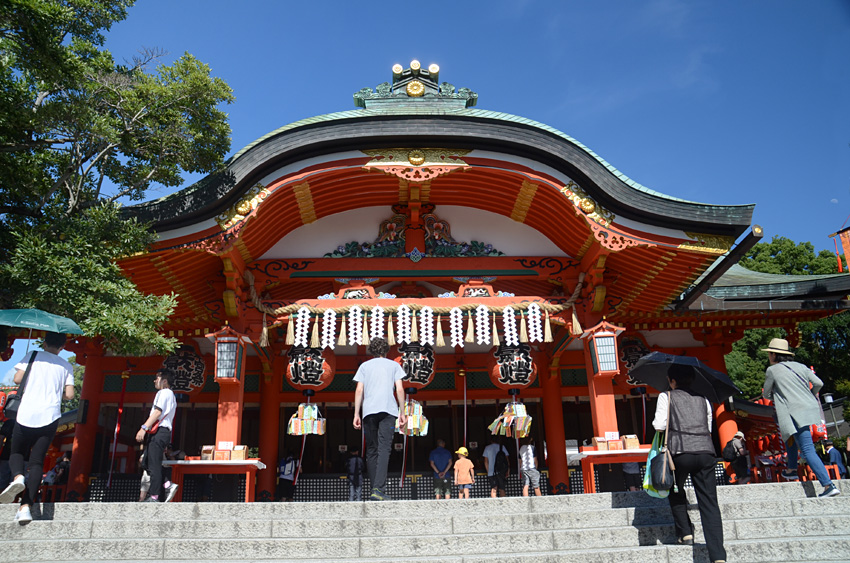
633,480
498,482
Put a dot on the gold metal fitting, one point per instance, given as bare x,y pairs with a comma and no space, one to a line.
415,89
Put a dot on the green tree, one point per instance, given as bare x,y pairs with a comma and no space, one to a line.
823,343
783,256
78,134
79,371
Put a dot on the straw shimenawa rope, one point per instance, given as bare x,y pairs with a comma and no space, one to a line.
288,310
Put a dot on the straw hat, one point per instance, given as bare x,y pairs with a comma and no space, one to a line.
778,346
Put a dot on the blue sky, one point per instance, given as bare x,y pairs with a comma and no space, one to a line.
718,101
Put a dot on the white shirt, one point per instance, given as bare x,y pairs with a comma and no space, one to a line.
42,399
490,453
526,455
378,376
660,420
168,404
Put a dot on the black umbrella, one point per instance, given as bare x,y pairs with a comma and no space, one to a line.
712,384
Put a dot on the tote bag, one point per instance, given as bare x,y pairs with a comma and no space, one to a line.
647,478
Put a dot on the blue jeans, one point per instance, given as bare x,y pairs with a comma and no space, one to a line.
803,441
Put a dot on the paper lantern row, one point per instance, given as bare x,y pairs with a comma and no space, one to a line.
360,326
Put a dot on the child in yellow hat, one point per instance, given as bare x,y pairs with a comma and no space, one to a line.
464,473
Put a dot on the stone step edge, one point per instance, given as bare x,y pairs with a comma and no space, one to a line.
659,505
531,556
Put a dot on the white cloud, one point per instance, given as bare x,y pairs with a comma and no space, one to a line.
833,200
8,377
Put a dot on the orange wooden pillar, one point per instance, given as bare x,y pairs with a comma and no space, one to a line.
230,375
85,433
553,420
269,427
228,426
603,409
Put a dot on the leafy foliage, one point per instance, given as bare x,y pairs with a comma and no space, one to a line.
783,256
78,134
823,343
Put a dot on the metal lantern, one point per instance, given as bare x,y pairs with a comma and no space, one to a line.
229,355
601,342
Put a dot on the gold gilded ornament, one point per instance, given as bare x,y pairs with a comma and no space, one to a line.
397,68
414,65
416,157
587,205
243,207
415,89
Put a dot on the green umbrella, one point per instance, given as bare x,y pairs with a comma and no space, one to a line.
36,319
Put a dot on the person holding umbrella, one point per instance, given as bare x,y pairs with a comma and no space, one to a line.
793,389
50,378
692,448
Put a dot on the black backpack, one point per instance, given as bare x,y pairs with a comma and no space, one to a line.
730,452
501,466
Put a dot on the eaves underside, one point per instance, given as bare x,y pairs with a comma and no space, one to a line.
471,129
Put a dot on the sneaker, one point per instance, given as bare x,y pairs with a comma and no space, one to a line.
830,491
12,491
790,475
171,491
378,494
151,499
23,516
687,540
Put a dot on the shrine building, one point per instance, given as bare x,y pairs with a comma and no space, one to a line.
503,259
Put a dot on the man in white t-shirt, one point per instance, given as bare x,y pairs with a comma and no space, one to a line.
50,379
380,393
498,479
162,414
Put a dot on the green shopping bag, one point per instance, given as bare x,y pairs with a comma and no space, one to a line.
653,451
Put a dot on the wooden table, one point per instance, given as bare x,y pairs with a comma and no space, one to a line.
591,457
220,467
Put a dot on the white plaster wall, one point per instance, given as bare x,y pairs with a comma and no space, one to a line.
326,234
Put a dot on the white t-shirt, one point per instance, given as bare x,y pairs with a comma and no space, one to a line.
42,398
490,453
165,400
379,376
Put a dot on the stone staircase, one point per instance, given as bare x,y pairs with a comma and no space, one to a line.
770,522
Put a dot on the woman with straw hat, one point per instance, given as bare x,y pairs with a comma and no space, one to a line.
793,389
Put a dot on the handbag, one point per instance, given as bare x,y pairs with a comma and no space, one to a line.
13,402
817,430
662,467
647,476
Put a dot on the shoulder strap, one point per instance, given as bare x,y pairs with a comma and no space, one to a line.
800,377
22,387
